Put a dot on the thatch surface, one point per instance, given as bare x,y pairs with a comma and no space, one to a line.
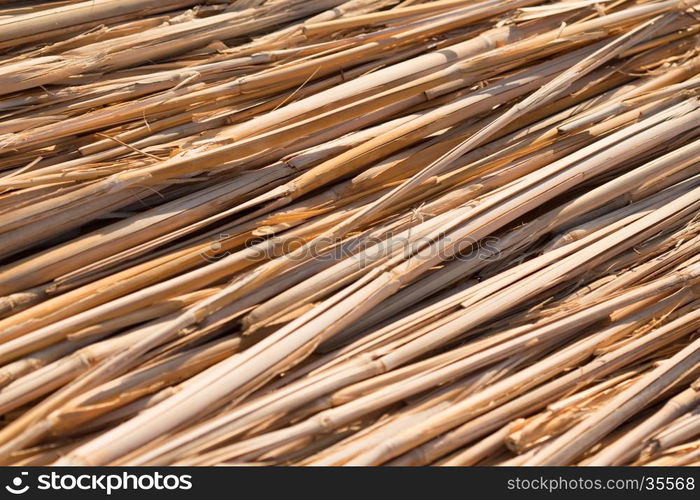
448,232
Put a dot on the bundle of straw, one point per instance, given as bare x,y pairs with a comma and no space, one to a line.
449,232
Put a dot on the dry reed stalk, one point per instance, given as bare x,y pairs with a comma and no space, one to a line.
479,358
546,393
625,447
